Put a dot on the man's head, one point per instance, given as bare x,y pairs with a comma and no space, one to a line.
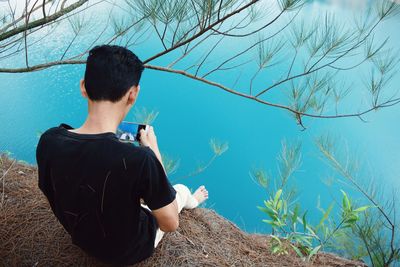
112,73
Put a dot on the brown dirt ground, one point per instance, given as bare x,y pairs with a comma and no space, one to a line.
30,235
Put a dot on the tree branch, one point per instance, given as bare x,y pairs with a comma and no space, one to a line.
390,102
252,32
201,32
41,21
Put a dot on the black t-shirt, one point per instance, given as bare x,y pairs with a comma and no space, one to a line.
94,184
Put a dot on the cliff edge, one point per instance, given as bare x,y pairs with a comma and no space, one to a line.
30,235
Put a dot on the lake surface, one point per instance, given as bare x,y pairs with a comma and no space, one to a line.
191,113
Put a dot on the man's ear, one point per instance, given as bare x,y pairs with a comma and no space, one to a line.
133,93
83,88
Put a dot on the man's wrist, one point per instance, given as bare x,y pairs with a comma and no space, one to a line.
158,154
155,150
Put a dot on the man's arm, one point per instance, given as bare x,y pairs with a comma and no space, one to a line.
149,139
167,217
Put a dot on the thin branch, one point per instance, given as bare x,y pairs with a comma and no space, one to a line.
299,113
26,29
187,51
309,71
126,29
159,36
387,103
43,8
252,32
69,45
42,66
15,21
195,36
3,177
175,32
291,65
67,16
219,9
208,54
42,21
200,169
252,46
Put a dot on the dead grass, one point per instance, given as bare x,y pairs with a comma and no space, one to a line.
30,235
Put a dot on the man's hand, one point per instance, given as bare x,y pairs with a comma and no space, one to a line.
149,139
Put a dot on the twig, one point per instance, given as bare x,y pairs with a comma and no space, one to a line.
252,32
195,36
292,110
312,70
4,179
252,46
205,253
387,103
104,190
25,33
187,238
44,9
14,22
41,21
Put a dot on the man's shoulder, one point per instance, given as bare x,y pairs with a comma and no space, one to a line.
48,134
53,130
45,141
136,153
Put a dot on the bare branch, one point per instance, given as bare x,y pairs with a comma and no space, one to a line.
202,31
254,31
42,21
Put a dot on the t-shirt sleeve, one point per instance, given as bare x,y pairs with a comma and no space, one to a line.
42,163
44,181
156,190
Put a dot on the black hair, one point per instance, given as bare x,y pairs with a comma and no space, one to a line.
110,71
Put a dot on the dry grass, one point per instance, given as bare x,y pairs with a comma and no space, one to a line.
30,235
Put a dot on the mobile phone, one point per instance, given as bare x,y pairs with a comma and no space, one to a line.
129,132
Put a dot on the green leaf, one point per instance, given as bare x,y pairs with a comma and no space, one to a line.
304,221
268,221
145,116
262,209
346,202
285,208
277,195
352,218
218,147
274,237
314,251
297,250
325,216
311,230
279,204
275,249
270,212
295,213
361,209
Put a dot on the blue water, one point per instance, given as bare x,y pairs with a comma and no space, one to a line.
191,113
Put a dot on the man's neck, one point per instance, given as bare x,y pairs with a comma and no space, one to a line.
102,117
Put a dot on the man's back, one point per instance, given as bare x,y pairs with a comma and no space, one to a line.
94,184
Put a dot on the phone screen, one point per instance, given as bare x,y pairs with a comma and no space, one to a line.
129,132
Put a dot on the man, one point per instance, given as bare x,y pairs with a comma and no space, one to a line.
95,183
